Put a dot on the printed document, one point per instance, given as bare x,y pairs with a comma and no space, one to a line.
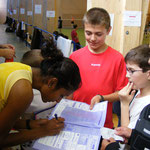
82,127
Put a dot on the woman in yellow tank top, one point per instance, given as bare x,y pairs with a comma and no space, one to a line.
57,77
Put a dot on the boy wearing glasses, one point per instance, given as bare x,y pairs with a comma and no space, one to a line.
138,73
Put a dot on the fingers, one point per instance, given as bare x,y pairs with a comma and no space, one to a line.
59,123
128,88
105,142
125,93
112,140
133,92
92,105
94,101
61,119
10,46
123,131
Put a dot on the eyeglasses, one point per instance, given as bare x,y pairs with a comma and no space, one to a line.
132,71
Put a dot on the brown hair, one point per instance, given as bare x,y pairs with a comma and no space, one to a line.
97,16
139,55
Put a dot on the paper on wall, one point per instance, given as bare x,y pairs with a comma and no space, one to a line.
111,23
38,9
14,11
50,14
22,11
132,18
29,13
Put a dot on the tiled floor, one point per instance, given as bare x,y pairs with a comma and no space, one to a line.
11,38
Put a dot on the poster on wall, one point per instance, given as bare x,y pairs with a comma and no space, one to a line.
111,23
14,11
132,18
38,9
22,11
29,13
50,14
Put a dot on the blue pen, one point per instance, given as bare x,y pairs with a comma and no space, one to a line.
56,117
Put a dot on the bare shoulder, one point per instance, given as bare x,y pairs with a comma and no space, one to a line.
21,95
22,87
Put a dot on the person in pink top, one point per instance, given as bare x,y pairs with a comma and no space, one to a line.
102,68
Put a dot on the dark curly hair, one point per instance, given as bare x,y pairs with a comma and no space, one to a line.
64,69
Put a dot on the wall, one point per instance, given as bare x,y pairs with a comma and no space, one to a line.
66,9
3,11
72,9
123,37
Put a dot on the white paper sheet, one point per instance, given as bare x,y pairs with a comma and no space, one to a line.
132,18
110,133
82,127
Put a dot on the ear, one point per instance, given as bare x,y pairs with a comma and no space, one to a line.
52,83
109,30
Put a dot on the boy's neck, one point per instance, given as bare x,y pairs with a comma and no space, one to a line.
144,92
100,50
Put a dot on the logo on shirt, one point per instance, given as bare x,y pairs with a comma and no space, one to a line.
96,65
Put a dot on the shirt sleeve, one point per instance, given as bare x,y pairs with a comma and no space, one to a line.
122,80
113,146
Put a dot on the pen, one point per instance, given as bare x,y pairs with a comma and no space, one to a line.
56,117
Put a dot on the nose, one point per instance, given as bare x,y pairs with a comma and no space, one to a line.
93,37
128,74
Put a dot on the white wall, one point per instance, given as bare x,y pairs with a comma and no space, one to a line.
3,11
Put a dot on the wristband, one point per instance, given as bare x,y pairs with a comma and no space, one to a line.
28,124
102,98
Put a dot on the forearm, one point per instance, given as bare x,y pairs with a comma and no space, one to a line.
2,52
22,136
111,97
124,114
20,124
